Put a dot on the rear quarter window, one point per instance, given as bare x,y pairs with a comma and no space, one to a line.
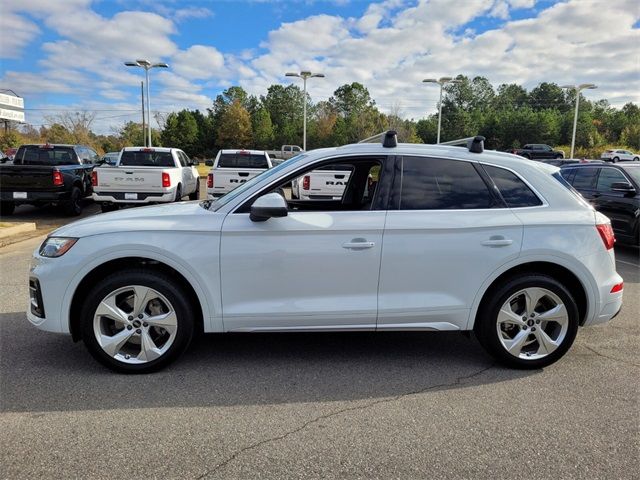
515,192
585,178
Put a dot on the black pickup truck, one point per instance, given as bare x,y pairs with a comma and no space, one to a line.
47,174
538,151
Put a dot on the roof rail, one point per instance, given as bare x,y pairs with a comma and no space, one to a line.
473,144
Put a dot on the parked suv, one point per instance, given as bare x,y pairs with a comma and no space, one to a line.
612,190
44,174
619,155
538,151
447,239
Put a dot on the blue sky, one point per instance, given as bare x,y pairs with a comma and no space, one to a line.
68,54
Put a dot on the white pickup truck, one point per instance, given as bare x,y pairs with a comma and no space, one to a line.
325,183
144,175
232,168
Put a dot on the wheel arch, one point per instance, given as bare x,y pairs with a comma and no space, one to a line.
114,265
560,272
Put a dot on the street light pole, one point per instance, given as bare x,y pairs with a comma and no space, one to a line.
577,89
304,76
442,82
147,65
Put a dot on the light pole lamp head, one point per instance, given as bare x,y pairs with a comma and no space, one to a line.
430,80
444,80
160,65
143,63
587,86
291,74
318,75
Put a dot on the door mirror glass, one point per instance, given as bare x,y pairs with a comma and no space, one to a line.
269,205
622,187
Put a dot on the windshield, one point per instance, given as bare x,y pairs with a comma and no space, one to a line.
146,159
215,205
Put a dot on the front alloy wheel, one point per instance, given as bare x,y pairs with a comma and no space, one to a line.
137,321
135,324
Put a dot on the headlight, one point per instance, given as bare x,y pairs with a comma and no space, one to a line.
56,246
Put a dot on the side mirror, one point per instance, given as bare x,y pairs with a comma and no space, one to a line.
194,162
208,163
86,161
267,206
625,187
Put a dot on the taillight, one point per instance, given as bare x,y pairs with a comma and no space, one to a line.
166,180
306,182
57,178
606,233
210,180
94,178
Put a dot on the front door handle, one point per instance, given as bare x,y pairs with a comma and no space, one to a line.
358,244
497,241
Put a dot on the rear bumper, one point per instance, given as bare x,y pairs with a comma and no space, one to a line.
143,198
35,197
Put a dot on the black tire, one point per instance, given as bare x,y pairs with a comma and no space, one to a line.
616,159
636,159
178,197
7,208
73,207
162,284
195,195
108,208
559,156
486,321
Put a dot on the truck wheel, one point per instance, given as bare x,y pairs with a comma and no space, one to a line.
529,322
74,206
178,194
136,321
7,208
195,195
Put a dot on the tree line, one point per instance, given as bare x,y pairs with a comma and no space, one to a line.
509,116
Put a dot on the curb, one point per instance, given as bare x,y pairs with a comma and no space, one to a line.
16,229
19,237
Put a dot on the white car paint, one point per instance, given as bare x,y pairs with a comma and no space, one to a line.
416,270
619,155
122,184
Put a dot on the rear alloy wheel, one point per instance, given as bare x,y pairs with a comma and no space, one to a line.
530,323
616,159
74,207
635,159
137,322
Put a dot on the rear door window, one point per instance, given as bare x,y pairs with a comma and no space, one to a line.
514,191
242,160
440,184
585,178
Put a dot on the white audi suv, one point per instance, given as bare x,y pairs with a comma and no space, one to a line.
422,238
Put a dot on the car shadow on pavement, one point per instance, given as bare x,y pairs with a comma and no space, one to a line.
47,372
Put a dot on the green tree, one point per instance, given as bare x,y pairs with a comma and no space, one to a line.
263,136
234,130
181,131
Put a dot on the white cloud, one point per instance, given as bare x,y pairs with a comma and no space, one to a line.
198,62
192,12
18,32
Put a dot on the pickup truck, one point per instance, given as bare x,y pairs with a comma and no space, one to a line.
285,152
144,175
47,174
325,183
538,151
232,168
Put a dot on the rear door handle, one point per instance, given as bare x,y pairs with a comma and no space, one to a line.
497,241
358,244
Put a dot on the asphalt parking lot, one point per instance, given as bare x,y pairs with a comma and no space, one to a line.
385,405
